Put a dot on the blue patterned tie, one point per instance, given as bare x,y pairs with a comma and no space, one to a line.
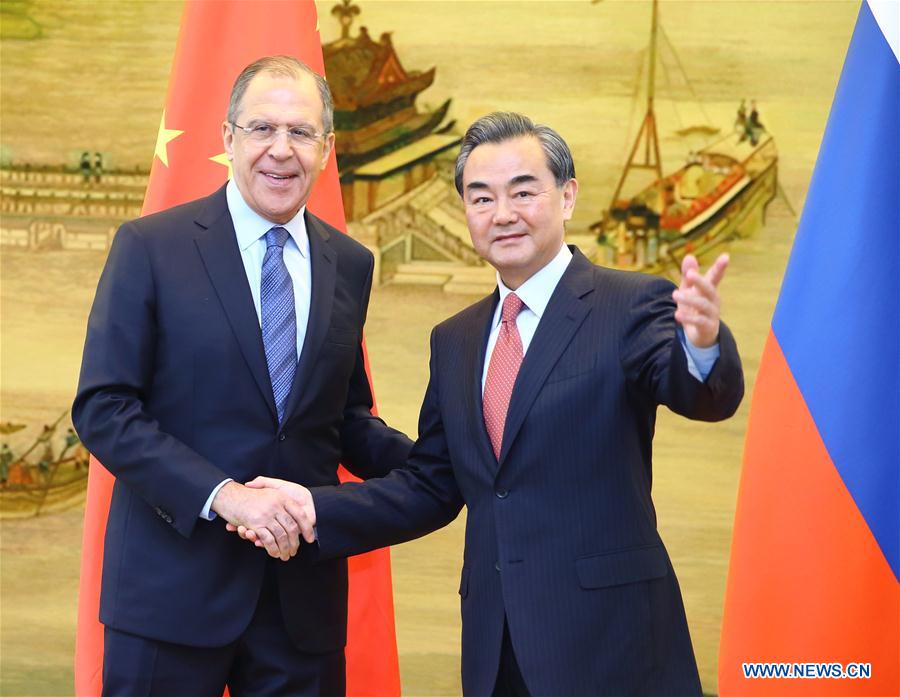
279,321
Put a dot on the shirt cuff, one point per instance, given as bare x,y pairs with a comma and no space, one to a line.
700,361
206,513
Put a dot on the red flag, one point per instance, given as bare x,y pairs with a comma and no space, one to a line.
217,40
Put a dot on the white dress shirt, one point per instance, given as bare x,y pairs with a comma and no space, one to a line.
250,229
536,292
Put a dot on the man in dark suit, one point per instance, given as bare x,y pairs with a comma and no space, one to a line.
224,343
539,418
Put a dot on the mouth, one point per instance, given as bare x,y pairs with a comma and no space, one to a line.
509,237
278,178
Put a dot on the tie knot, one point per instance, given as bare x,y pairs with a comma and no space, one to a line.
276,237
512,306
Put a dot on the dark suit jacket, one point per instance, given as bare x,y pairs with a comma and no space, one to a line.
175,395
561,534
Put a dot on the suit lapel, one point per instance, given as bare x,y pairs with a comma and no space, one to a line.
218,248
323,267
563,315
476,348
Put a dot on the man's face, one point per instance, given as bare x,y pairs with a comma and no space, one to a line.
276,179
514,209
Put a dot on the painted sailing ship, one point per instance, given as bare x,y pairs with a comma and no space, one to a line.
720,194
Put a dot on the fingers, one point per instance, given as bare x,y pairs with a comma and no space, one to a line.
276,515
698,302
267,540
688,264
707,283
702,330
305,515
283,540
695,304
292,529
717,271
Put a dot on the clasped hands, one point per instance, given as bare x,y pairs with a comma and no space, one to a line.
271,513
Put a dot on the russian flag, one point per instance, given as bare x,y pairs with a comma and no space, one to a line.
815,557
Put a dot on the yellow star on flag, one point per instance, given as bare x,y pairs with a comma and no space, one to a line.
222,159
162,139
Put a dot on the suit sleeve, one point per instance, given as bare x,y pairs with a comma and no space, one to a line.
117,373
370,447
410,502
654,362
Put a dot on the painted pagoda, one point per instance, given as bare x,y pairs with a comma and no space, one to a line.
385,146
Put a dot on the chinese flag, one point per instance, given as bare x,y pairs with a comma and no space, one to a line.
217,40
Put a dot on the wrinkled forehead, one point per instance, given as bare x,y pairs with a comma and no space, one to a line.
279,97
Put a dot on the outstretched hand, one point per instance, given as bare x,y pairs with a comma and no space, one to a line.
698,301
304,512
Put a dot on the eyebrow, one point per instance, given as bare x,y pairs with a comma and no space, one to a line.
518,179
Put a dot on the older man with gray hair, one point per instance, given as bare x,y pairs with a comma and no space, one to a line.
223,344
539,417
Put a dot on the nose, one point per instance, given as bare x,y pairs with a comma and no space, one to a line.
280,148
504,213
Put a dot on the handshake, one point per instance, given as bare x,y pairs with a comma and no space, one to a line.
271,513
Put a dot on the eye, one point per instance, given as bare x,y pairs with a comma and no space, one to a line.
302,133
261,129
480,200
523,194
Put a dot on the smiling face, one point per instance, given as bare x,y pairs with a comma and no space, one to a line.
515,211
276,179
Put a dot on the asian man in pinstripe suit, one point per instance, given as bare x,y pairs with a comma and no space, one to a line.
539,417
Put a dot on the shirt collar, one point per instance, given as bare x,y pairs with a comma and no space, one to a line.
249,225
536,291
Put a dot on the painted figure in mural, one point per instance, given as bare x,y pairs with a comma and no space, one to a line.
6,459
752,126
84,165
741,118
98,166
224,343
539,417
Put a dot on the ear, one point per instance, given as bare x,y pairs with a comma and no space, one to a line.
569,194
228,139
326,149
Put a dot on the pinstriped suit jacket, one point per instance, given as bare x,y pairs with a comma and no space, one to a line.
561,535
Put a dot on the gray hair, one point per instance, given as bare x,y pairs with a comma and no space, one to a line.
281,66
506,125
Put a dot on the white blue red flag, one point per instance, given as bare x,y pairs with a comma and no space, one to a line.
813,602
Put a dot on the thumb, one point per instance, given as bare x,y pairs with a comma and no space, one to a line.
262,483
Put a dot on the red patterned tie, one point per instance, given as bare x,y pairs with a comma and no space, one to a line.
501,376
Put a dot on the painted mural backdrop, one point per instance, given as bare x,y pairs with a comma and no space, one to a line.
694,128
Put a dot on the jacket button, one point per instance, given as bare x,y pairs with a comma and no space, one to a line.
501,493
497,566
281,436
